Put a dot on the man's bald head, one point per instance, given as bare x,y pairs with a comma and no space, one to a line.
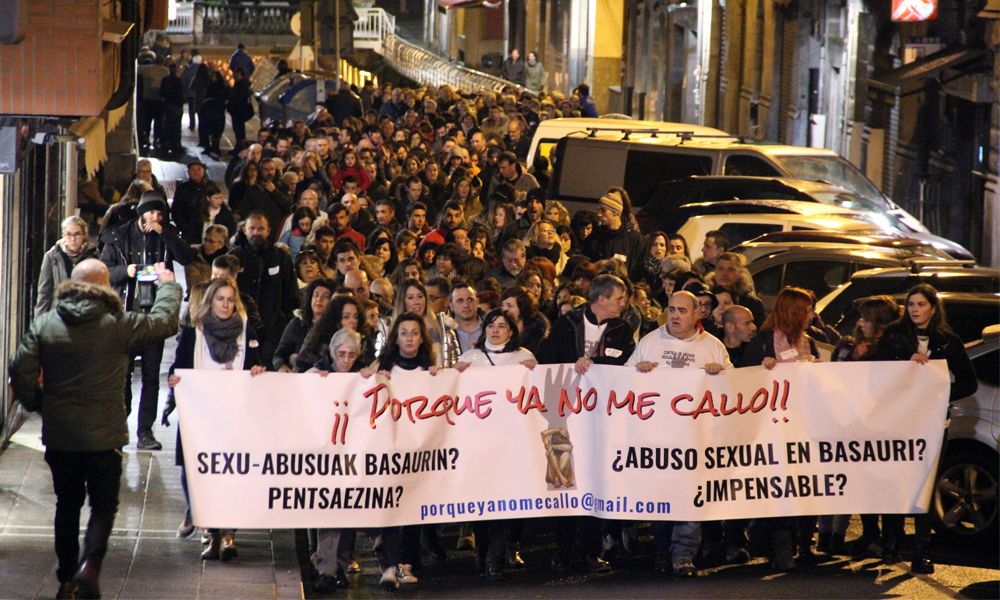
357,281
93,271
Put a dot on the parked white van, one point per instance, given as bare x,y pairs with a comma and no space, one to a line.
590,155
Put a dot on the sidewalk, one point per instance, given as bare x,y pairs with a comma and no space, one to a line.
145,558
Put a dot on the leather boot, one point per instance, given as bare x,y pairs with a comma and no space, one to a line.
211,552
227,549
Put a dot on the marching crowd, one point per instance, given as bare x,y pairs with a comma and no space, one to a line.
408,232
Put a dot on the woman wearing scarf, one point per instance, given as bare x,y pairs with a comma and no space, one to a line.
498,346
217,339
58,262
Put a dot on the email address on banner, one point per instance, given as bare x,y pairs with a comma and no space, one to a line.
563,501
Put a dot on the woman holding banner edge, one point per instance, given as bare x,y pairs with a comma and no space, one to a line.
218,339
920,334
499,345
335,547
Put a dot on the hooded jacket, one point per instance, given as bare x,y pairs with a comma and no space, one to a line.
83,348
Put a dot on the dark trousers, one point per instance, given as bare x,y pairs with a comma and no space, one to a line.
239,128
578,536
76,475
149,113
172,114
192,106
152,356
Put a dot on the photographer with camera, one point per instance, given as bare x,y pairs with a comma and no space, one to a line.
130,252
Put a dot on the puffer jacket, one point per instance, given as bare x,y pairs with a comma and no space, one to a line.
83,348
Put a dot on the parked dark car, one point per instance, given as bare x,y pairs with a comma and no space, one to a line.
820,267
662,209
812,238
977,285
964,504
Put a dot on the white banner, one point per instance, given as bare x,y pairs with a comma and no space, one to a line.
285,450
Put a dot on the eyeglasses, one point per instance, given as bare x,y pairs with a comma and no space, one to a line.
346,355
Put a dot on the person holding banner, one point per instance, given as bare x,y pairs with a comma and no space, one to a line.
344,312
408,347
679,344
594,333
922,333
335,547
498,346
218,339
783,338
875,314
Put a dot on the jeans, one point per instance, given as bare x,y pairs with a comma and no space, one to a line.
684,539
152,356
333,550
76,475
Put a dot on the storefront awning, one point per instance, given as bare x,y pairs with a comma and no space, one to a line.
912,78
450,4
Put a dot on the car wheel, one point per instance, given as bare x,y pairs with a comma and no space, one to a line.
965,495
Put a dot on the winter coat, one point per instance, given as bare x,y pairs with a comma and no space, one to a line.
84,348
513,70
899,343
762,346
128,245
534,78
187,209
566,342
268,277
57,266
628,242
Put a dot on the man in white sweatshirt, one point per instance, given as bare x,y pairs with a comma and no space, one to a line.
678,345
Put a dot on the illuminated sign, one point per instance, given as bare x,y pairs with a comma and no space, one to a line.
914,10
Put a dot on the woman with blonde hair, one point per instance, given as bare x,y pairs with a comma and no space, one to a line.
218,339
58,262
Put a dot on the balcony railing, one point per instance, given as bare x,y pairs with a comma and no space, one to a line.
200,21
428,68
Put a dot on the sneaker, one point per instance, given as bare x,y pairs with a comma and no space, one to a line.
389,580
148,442
404,574
684,567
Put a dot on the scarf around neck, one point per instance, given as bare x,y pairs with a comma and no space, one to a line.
221,336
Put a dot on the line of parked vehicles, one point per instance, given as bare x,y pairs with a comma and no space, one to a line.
809,218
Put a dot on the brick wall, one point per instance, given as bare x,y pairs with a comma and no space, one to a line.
58,68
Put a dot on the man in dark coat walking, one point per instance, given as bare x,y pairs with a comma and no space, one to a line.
69,366
268,277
